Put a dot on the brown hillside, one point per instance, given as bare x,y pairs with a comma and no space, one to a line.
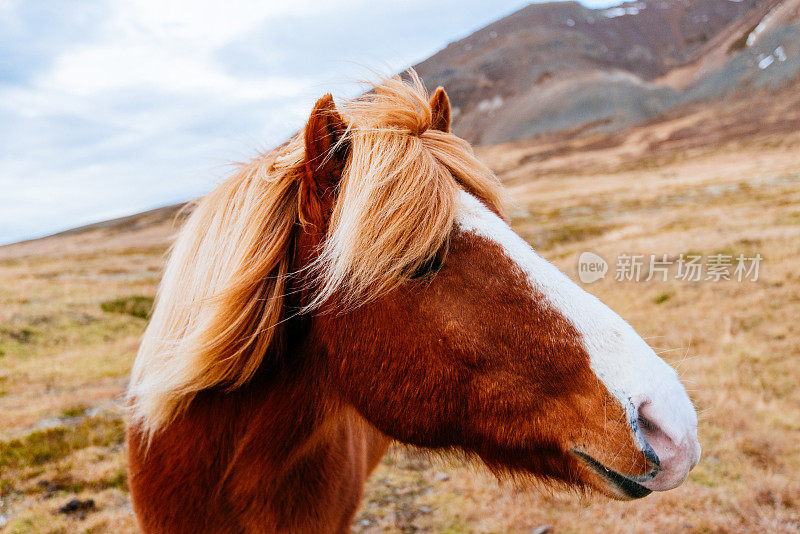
559,66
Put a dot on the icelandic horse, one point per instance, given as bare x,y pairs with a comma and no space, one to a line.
360,285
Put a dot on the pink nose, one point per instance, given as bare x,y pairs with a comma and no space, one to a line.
678,450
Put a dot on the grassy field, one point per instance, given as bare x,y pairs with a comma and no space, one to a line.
72,309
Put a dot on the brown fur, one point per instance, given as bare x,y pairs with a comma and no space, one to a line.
470,358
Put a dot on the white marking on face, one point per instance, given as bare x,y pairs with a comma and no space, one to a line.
620,358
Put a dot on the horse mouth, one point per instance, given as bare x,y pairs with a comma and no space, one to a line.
630,486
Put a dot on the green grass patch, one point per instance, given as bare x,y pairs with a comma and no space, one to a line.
44,446
22,335
32,521
74,411
136,306
569,233
68,329
118,480
566,233
661,298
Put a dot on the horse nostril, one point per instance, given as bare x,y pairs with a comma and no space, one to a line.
671,451
645,424
647,429
666,432
651,431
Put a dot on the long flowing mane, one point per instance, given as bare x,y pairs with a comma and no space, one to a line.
220,305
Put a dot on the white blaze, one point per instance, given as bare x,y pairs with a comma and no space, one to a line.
620,358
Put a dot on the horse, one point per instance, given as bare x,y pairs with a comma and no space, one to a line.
358,286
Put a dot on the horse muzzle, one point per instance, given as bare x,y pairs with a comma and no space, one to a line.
671,456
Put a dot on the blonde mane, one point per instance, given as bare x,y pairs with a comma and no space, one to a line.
221,300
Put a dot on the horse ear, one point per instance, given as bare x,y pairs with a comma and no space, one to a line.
440,110
326,153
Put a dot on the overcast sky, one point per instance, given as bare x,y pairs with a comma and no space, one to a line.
112,107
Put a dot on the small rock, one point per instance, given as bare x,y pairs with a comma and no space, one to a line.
544,529
441,477
424,509
79,506
3,520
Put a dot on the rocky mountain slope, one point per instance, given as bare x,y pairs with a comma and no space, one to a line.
559,65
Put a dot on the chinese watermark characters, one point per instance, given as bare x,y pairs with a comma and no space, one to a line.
662,268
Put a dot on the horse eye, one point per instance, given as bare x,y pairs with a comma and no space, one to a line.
430,267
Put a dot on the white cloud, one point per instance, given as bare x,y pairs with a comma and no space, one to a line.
112,67
113,106
170,46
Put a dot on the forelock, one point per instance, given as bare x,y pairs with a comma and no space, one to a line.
397,196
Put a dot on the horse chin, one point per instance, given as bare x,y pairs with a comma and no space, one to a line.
611,483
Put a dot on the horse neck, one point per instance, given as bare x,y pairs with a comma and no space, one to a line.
279,454
298,446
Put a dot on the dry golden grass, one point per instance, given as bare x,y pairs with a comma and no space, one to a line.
65,359
64,362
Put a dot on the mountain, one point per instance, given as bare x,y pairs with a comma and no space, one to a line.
560,66
572,80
